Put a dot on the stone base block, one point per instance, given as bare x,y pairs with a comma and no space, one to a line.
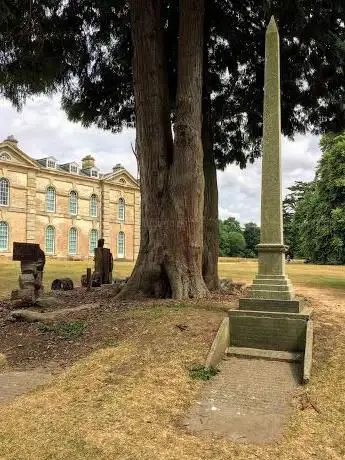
269,330
288,306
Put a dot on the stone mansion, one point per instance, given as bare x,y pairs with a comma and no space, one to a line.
67,207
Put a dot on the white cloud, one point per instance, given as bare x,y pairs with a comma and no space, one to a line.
42,129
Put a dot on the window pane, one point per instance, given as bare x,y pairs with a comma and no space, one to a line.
121,209
121,245
73,203
93,206
51,199
3,236
51,164
72,241
93,240
4,192
50,240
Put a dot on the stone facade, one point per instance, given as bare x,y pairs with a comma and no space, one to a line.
66,208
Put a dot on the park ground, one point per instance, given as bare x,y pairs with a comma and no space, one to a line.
122,383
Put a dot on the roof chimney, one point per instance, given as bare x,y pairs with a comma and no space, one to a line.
12,139
117,167
88,162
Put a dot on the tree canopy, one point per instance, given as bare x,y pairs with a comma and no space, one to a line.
316,220
83,49
237,242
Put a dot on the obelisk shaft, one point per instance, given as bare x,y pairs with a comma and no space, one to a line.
271,193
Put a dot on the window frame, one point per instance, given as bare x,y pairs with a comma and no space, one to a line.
93,170
4,224
47,198
121,255
93,231
52,164
75,167
48,228
73,193
69,241
123,208
5,181
93,201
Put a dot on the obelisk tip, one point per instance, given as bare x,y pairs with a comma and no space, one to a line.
272,26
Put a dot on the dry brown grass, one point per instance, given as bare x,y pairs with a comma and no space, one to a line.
127,402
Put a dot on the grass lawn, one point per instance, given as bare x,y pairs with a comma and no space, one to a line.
328,276
125,401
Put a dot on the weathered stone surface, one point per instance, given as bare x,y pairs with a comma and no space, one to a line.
220,344
271,248
25,251
268,330
292,306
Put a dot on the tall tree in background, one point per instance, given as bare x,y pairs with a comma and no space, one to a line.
292,221
83,48
319,218
251,235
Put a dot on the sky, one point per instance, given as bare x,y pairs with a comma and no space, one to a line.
42,129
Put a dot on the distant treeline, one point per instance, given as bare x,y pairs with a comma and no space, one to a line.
235,241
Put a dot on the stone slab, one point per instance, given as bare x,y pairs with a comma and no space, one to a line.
219,345
16,383
249,401
305,314
270,332
264,354
291,306
25,252
308,355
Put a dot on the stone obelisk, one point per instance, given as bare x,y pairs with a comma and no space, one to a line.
271,290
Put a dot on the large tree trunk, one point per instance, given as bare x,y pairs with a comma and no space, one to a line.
211,232
187,179
170,258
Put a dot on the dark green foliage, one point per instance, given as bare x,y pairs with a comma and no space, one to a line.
251,235
64,330
317,221
291,221
83,48
231,240
236,242
200,372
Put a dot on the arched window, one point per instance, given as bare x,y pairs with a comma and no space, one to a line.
51,199
3,236
93,206
121,245
121,209
93,240
4,192
73,203
73,241
50,240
